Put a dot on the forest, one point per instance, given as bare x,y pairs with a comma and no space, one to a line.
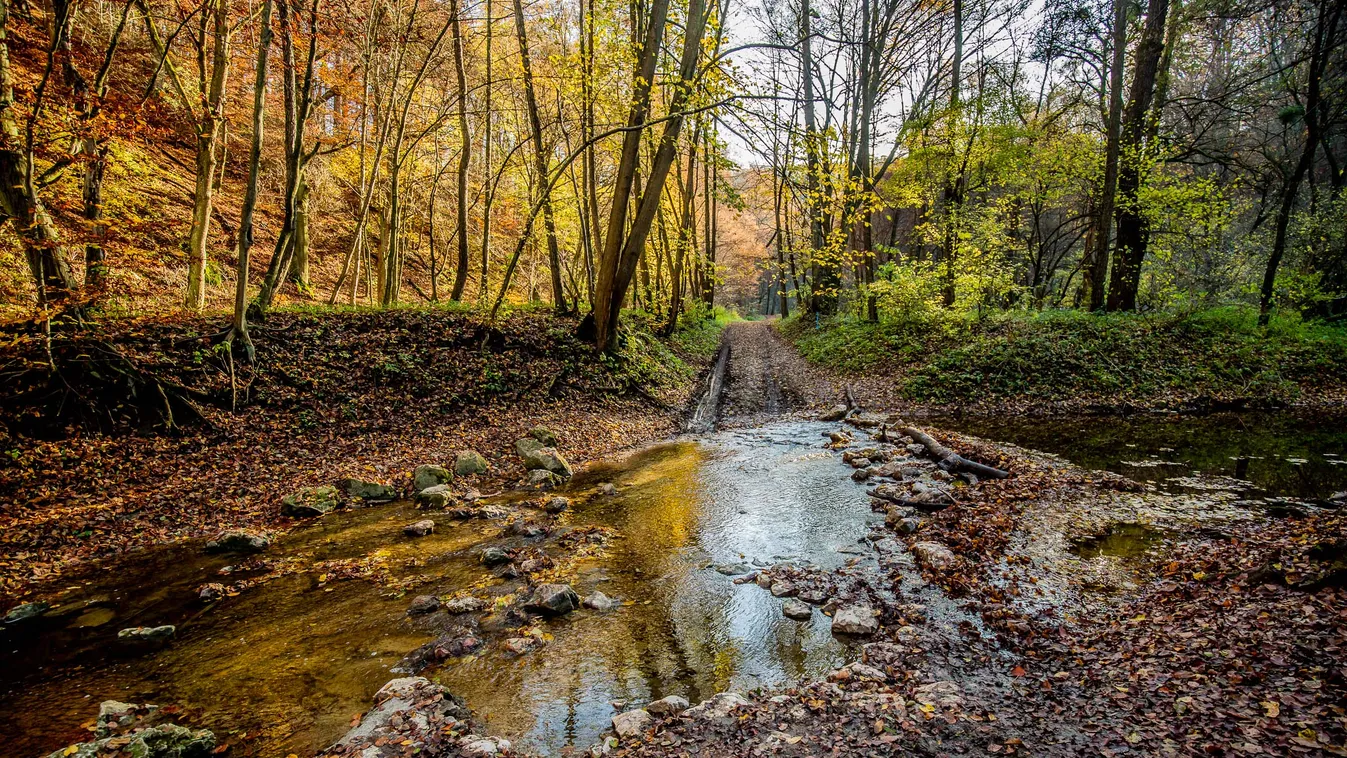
673,378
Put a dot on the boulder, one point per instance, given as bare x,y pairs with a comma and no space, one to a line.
469,462
465,605
429,475
553,600
494,556
668,706
146,634
544,479
719,706
546,459
211,592
545,436
422,604
407,708
933,555
601,602
525,445
26,611
860,475
632,723
437,496
238,541
420,528
855,619
310,502
798,610
557,504
162,741
370,492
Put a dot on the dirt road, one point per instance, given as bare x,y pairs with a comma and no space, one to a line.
768,378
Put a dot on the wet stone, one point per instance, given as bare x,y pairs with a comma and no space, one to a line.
553,600
422,604
26,611
933,555
437,496
783,588
146,634
668,706
600,602
211,592
518,645
855,620
429,475
494,556
798,610
632,723
557,504
607,488
238,541
465,605
469,462
733,569
814,596
419,529
310,502
370,492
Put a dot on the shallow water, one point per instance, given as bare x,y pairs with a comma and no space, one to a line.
286,665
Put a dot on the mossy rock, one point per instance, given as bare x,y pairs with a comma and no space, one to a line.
311,501
428,475
469,462
545,436
370,492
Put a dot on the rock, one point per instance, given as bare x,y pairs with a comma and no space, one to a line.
310,502
469,462
162,741
943,694
534,565
733,569
855,619
916,448
860,462
429,475
865,420
814,596
890,470
26,611
719,706
764,580
553,600
420,528
835,413
115,712
933,555
238,541
907,634
370,492
839,438
907,526
494,512
544,479
940,475
547,459
211,592
783,588
464,605
607,488
557,504
601,602
798,610
422,604
668,706
519,645
411,708
632,723
146,634
895,513
435,496
482,747
860,475
494,556
545,436
858,672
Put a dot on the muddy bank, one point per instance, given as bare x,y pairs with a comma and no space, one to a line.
94,472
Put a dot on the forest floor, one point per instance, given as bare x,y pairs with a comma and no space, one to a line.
91,470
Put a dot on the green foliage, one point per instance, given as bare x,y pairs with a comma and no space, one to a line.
1069,355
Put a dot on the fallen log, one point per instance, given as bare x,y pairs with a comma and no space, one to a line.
949,460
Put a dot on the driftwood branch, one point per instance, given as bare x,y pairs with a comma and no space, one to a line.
948,459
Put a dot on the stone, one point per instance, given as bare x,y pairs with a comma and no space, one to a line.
557,504
553,600
719,706
422,604
116,712
26,611
907,526
146,634
916,448
856,620
238,541
896,513
607,488
839,438
547,459
310,502
161,741
435,496
764,580
370,492
942,694
861,462
933,555
469,462
411,706
429,475
544,479
545,436
835,413
494,556
857,672
798,610
494,512
668,706
907,634
783,588
420,528
600,602
632,723
733,569
211,592
814,596
518,645
860,475
482,747
464,605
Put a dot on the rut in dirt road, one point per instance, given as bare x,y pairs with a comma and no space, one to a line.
767,377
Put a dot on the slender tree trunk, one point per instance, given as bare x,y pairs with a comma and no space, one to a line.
240,325
824,281
1103,220
464,151
207,139
488,190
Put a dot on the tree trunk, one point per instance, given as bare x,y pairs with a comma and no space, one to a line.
1103,220
464,152
207,138
488,190
240,326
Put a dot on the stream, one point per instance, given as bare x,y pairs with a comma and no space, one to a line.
286,665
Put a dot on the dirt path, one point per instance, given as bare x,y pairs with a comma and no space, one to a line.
768,377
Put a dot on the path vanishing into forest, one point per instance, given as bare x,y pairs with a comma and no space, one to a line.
767,377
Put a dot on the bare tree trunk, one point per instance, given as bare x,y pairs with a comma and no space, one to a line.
240,325
488,190
464,151
207,139
822,287
1103,222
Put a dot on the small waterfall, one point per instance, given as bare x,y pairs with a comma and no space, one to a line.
704,416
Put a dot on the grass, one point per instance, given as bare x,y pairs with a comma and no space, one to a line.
1062,355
